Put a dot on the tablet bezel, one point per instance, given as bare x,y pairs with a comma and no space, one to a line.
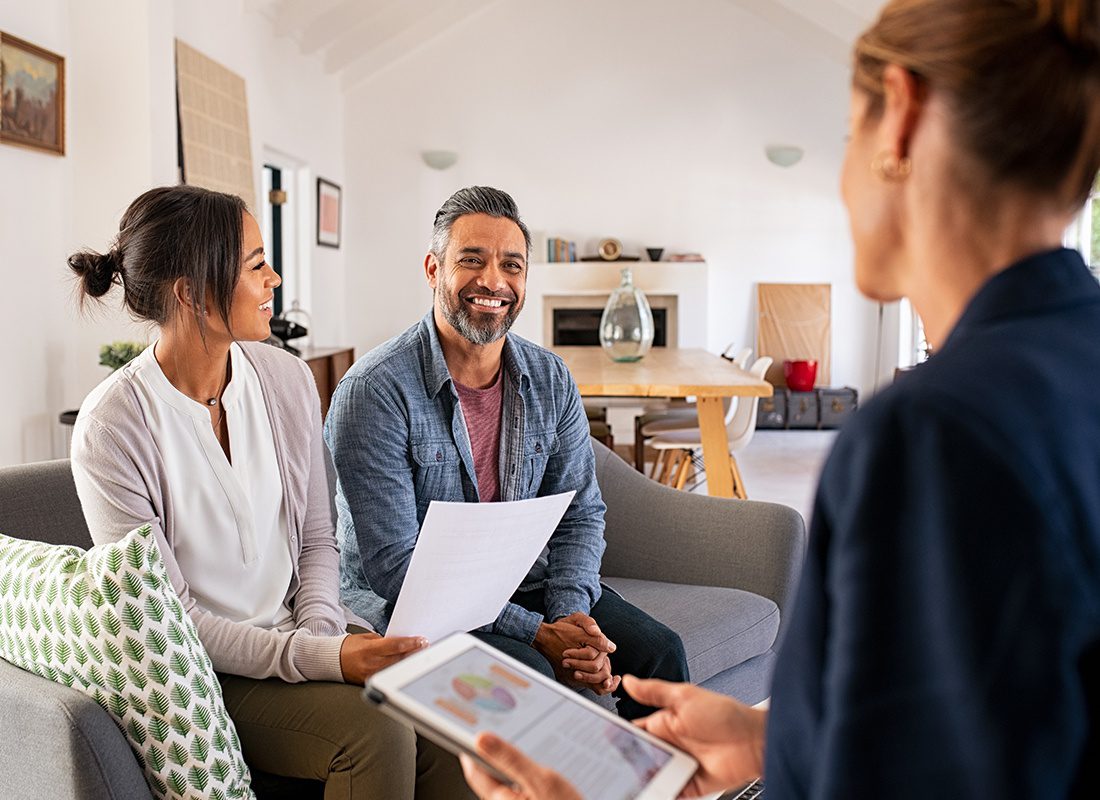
385,689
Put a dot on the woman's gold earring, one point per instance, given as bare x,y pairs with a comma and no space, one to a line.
891,168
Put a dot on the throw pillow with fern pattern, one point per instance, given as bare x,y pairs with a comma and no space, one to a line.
107,622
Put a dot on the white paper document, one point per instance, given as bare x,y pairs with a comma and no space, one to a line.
469,560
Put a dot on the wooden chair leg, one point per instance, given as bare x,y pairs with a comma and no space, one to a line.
685,470
674,470
668,467
672,463
738,481
657,464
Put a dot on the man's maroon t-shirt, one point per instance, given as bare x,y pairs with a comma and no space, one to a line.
482,409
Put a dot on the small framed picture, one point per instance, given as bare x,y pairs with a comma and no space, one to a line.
328,213
32,96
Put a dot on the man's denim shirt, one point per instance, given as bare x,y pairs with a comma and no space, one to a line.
399,441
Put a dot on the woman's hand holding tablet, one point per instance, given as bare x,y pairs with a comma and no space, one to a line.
726,737
460,688
532,780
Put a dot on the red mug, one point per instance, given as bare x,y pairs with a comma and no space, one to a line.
800,375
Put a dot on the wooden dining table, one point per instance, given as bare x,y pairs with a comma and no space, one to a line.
673,372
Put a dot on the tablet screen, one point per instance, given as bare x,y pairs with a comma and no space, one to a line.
480,693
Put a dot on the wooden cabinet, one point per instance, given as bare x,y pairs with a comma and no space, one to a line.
328,365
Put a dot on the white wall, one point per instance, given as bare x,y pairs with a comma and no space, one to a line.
121,140
51,205
34,212
647,122
111,154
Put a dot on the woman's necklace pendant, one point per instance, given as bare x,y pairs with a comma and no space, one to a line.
213,401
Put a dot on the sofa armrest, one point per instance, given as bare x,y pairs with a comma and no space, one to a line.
57,742
661,534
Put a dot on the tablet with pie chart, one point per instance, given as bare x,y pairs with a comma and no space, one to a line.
483,693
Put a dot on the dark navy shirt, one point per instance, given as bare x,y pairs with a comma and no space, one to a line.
945,641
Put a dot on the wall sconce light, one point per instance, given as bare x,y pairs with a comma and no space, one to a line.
783,155
439,159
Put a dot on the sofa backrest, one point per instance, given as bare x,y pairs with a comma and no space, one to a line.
657,533
38,501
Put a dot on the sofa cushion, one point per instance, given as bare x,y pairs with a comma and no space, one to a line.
720,627
108,623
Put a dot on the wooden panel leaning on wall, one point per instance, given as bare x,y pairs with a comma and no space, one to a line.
794,323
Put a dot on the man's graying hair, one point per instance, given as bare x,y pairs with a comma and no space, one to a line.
474,200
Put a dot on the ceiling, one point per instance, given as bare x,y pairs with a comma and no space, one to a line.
355,39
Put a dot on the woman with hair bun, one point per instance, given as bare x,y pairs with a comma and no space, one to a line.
214,439
945,641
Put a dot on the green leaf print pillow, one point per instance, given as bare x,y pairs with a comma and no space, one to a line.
107,622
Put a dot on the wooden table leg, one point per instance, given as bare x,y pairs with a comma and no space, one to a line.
716,450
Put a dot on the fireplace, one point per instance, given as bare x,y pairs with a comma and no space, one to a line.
581,327
574,319
587,286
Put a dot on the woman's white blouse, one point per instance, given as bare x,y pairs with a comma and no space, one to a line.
233,541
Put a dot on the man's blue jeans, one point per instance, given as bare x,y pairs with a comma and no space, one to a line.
646,647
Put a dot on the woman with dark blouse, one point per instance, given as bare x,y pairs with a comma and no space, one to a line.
945,641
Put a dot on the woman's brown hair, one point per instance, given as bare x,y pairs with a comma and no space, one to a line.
1022,78
169,233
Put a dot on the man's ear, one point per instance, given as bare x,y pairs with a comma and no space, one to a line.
431,269
903,107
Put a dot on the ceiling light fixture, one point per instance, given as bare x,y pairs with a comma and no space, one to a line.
439,159
784,155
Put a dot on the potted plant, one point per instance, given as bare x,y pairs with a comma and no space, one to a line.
118,354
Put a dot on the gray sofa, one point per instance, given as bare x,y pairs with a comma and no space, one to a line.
719,572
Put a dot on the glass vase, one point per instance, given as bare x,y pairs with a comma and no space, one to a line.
626,327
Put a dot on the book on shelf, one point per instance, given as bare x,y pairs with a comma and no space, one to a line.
560,250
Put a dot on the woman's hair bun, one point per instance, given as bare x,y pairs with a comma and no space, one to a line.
97,271
1078,21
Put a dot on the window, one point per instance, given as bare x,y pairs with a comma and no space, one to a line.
1084,233
913,347
1092,210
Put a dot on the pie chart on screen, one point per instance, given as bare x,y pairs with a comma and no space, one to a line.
483,693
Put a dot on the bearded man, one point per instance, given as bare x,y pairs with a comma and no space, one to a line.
458,409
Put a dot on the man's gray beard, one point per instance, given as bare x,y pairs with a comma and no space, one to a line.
462,321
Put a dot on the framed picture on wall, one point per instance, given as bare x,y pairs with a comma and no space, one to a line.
32,96
328,213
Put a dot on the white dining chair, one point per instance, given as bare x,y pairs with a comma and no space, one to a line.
676,449
684,417
742,358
